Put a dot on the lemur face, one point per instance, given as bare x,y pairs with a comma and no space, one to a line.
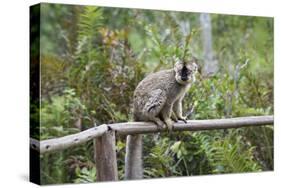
185,72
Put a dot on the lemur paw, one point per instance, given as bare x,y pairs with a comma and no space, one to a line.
184,119
174,118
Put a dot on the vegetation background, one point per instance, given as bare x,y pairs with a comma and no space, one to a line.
92,58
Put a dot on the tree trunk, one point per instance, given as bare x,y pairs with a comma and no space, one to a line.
210,63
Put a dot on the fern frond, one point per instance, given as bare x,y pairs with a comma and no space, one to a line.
90,21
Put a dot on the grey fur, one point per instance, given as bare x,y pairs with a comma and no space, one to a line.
157,98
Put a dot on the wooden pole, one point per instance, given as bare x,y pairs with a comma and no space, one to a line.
131,128
192,125
58,144
105,157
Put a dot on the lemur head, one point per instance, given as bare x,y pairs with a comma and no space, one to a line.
185,71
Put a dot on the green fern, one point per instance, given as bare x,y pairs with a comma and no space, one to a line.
85,175
228,154
90,21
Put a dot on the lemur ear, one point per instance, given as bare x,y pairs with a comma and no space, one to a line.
178,65
176,61
194,64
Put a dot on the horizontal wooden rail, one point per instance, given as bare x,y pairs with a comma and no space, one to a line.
56,144
146,127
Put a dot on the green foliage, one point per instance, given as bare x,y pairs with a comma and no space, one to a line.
90,21
85,176
57,117
226,154
92,59
158,160
189,157
176,158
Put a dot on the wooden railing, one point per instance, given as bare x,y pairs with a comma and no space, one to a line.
104,135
